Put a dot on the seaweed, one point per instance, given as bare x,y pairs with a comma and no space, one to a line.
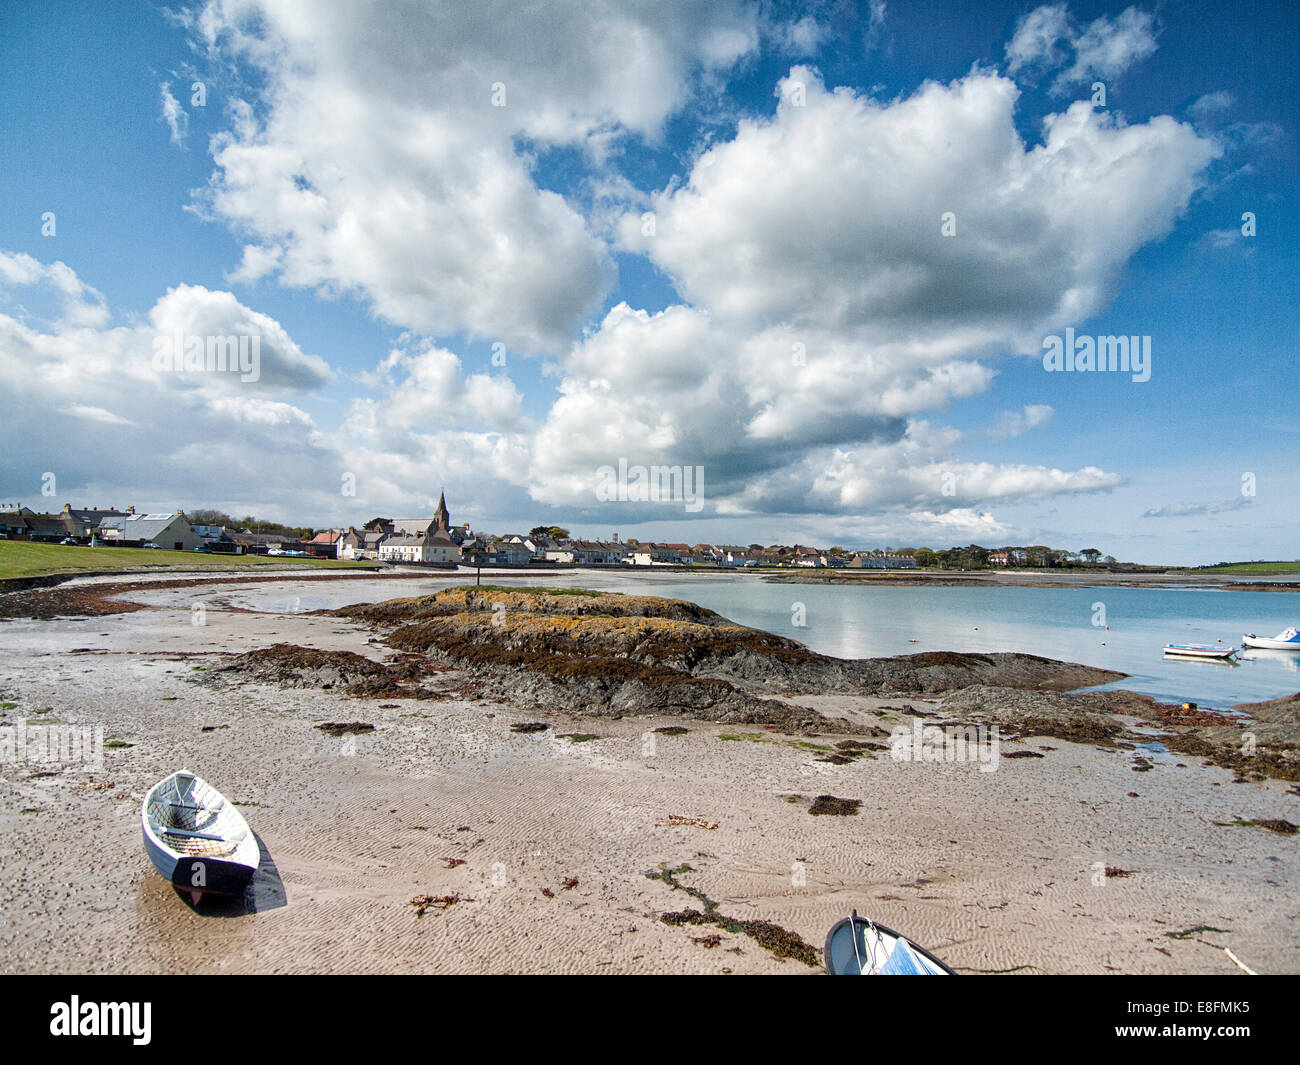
345,728
829,805
771,937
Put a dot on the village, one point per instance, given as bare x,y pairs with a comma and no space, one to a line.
436,542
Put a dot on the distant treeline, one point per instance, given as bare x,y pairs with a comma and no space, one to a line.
974,556
247,524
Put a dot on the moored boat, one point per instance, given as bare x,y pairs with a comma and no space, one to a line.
196,839
1287,640
857,946
1199,650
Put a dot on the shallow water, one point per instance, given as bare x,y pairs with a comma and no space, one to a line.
862,622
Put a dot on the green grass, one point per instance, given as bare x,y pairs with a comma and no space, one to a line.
20,558
1257,569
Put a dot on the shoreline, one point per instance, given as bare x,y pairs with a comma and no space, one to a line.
940,578
992,871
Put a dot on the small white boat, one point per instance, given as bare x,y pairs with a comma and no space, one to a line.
196,839
1199,650
1288,640
857,946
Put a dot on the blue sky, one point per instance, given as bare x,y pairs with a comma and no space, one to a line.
350,193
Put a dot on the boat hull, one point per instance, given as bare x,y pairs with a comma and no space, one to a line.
1190,651
1271,645
206,876
875,946
227,854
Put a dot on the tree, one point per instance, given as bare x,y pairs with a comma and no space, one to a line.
553,531
375,523
925,558
206,516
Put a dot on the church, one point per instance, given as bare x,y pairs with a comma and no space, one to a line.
431,540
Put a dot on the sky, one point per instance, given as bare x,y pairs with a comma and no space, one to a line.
816,254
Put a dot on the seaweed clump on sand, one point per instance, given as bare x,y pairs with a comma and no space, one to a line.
293,666
771,937
829,805
1271,824
345,728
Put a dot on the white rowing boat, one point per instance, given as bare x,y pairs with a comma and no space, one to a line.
1199,650
857,946
1287,640
196,839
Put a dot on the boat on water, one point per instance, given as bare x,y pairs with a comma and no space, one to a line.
1199,650
196,839
1287,640
857,946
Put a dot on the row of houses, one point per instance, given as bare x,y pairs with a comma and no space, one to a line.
168,530
164,530
434,541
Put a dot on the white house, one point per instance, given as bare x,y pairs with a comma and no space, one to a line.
405,549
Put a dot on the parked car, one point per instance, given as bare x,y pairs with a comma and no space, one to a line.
151,545
69,540
203,549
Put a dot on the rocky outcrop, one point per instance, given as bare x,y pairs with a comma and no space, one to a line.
591,652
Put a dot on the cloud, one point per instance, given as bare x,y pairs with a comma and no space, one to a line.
174,438
1182,510
176,117
802,37
1037,36
95,414
79,305
1013,423
1105,48
376,163
1206,110
844,231
194,311
1108,47
257,262
825,315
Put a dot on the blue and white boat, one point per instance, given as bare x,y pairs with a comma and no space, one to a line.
857,946
1287,640
196,839
1199,650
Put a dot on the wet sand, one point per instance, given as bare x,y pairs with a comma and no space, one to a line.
993,871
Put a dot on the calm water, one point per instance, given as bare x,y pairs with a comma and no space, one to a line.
857,622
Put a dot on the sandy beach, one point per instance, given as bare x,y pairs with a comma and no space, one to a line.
543,851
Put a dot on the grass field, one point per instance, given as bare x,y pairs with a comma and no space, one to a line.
20,558
1255,569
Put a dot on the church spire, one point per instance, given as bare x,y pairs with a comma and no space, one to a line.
440,516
